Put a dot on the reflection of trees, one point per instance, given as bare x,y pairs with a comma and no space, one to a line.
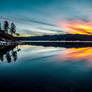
8,57
14,54
1,58
9,53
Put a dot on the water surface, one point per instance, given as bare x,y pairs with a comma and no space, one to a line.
46,69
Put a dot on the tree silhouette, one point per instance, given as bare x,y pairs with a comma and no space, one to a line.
13,28
6,26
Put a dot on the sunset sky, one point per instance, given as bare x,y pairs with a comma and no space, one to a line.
41,17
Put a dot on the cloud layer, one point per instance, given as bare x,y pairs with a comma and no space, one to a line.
40,17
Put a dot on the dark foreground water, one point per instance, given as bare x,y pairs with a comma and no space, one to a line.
29,68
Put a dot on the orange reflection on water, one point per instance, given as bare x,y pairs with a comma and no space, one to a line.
77,27
76,54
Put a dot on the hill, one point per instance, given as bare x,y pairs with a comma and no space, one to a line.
61,37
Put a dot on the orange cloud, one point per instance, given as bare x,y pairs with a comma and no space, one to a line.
77,27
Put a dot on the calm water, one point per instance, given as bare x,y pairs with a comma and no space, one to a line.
46,69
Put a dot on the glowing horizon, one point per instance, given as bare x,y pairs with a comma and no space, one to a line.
77,27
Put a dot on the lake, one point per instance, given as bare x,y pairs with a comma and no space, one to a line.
31,68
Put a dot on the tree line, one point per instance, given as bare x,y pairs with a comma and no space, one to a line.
7,29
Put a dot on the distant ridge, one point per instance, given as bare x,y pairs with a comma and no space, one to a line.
61,37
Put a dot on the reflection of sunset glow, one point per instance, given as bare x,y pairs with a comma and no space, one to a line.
77,27
77,53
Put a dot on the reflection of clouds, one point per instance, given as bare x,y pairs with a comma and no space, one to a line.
33,52
77,54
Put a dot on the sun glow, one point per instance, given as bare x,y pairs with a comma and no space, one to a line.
77,27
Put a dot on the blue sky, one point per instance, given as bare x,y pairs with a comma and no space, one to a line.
40,17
